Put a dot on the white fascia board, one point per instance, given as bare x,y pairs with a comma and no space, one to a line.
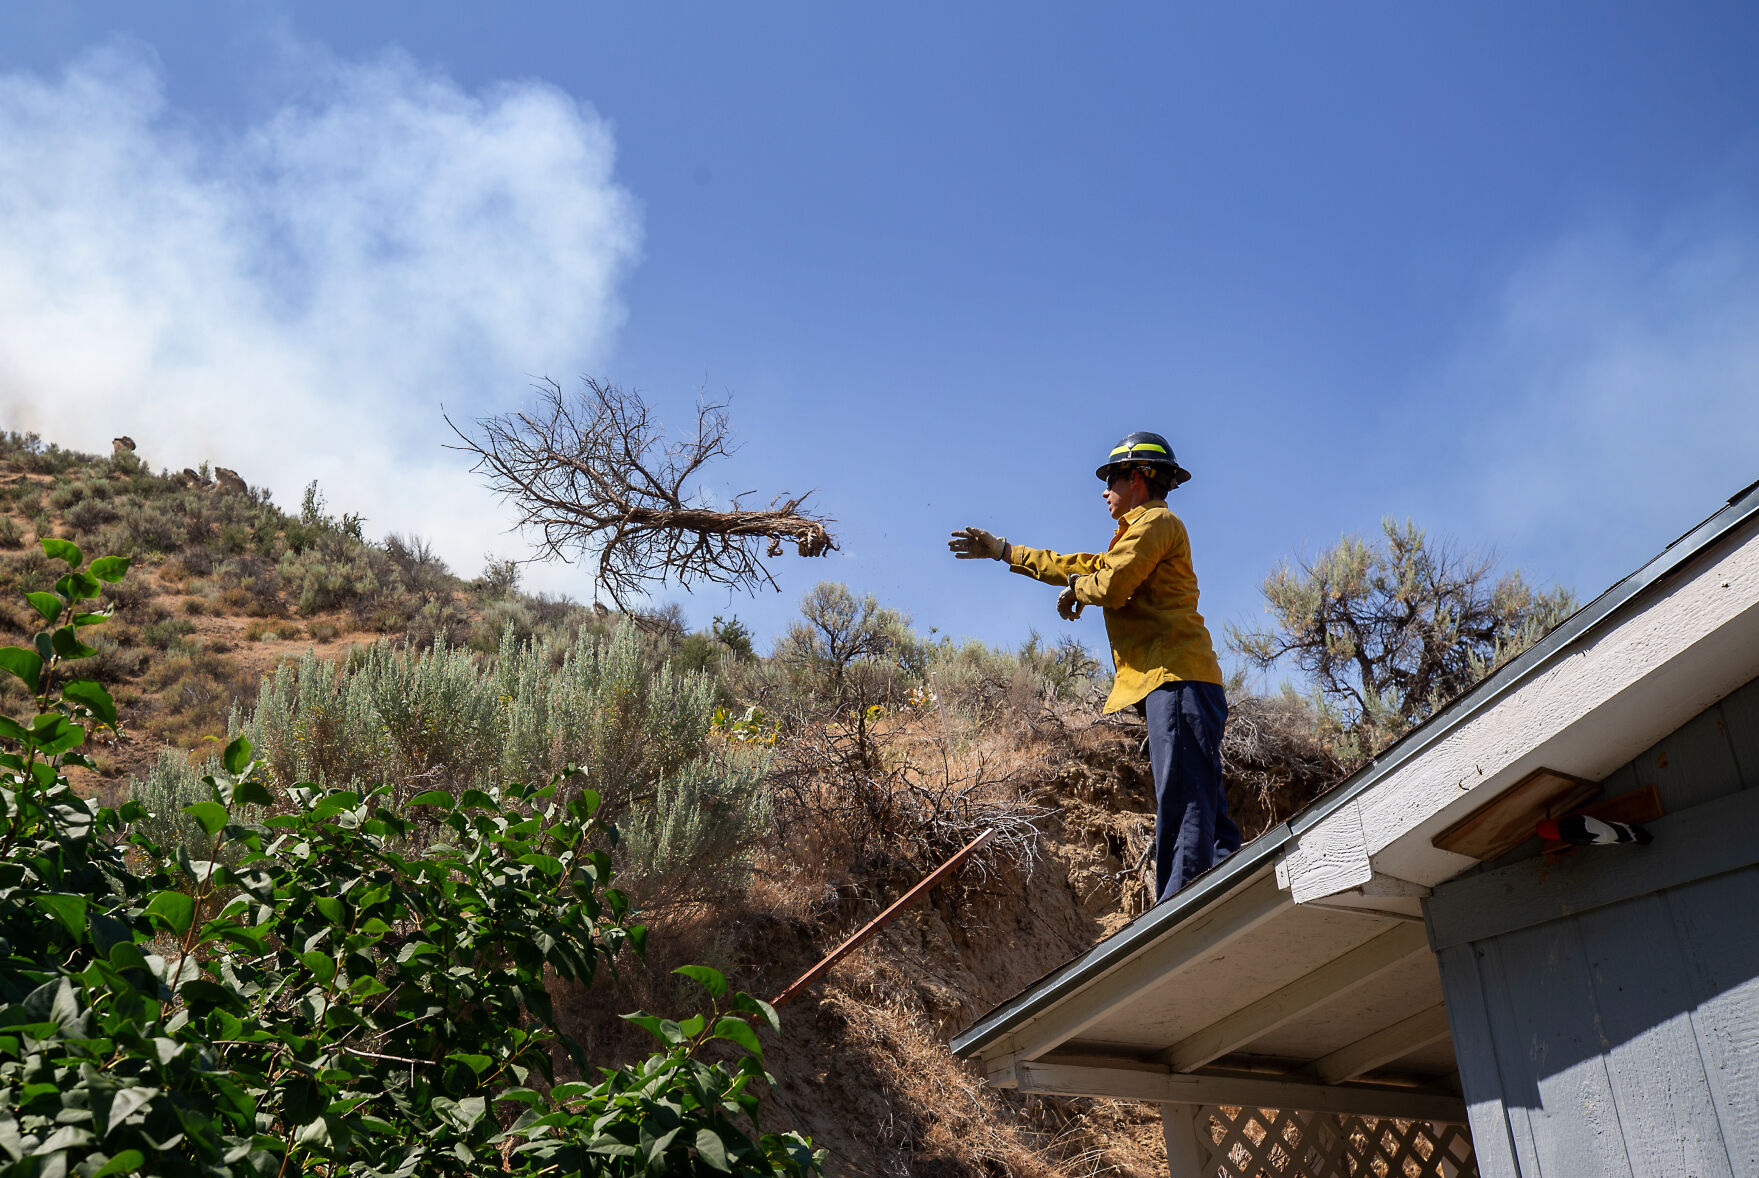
1331,857
1599,702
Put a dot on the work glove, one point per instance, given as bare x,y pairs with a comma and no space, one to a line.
1067,607
972,543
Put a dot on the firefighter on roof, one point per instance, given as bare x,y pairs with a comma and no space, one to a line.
1166,664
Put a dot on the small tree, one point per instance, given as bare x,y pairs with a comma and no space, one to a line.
735,636
1390,631
851,648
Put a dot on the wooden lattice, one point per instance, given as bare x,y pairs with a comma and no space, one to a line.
1284,1143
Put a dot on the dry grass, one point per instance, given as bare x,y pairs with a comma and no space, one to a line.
274,630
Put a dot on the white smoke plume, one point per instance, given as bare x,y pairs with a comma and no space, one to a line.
297,297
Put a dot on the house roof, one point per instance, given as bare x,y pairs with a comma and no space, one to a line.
1301,957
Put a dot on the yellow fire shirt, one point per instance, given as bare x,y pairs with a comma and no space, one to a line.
1146,584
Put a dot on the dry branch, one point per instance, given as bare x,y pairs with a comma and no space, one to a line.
591,477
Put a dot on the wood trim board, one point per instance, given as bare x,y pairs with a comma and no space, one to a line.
1163,1087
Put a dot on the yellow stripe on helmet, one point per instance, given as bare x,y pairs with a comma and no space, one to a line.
1138,446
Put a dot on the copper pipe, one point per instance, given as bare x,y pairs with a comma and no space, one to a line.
873,926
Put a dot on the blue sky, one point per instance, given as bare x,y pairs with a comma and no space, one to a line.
1495,268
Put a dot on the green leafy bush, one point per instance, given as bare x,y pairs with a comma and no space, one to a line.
315,993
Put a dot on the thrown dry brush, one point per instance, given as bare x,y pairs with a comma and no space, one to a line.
590,476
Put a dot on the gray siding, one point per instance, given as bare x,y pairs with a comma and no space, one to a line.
1714,754
1605,1008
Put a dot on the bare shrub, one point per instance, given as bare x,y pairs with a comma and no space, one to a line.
271,630
423,570
903,811
251,585
1275,758
193,690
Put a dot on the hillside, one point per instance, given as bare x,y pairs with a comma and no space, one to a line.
771,803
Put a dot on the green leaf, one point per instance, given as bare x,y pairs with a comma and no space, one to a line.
322,965
26,664
663,1029
126,1162
212,815
433,797
55,734
476,1063
413,949
476,799
91,619
110,569
237,755
174,908
63,550
710,1149
711,980
250,939
47,604
68,645
127,1102
250,792
92,695
737,1030
236,1096
12,730
69,909
78,586
469,1111
759,1007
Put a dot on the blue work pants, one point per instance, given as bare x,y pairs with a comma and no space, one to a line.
1192,830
